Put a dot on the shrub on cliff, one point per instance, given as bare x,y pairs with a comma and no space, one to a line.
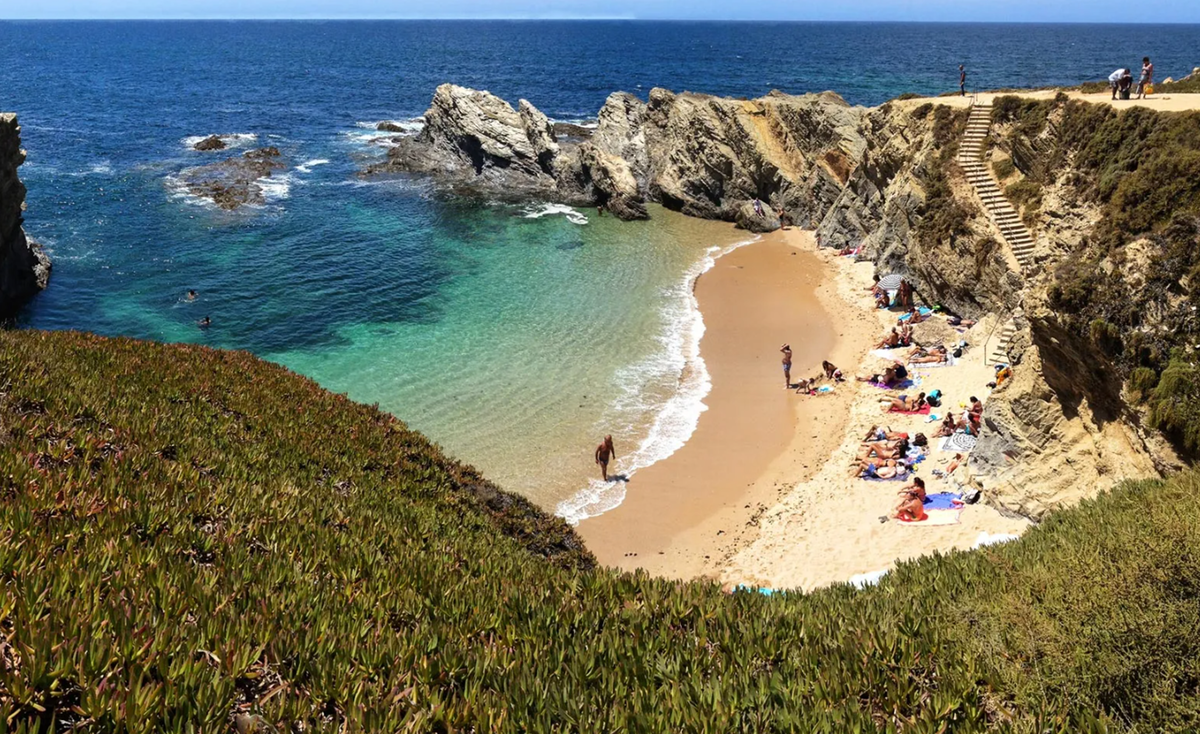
195,540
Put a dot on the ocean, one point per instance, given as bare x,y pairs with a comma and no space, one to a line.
514,336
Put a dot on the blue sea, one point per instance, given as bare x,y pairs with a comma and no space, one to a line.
515,336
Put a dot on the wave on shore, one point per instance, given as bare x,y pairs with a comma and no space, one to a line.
231,140
675,420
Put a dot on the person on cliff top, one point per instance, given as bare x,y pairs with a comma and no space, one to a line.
962,80
1146,81
605,453
1114,80
786,349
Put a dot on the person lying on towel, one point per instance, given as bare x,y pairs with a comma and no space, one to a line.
889,469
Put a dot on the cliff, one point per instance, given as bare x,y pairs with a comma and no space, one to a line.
702,155
24,267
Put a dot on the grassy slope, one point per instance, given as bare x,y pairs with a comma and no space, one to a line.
187,536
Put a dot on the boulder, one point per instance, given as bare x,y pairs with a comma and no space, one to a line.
619,133
233,182
387,126
749,219
615,186
540,134
212,142
570,132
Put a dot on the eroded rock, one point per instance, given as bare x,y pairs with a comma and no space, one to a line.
235,182
212,142
24,266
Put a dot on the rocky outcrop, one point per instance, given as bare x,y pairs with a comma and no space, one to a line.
24,266
698,154
757,218
212,142
235,182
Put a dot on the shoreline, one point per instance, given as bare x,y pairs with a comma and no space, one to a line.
685,515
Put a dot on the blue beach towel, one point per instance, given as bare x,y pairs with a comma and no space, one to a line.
898,386
922,310
943,501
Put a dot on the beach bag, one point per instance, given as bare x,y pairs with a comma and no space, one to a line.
920,440
934,398
1149,89
971,496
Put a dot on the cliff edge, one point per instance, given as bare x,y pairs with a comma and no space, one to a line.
24,267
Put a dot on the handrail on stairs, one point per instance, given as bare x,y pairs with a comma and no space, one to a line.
1000,321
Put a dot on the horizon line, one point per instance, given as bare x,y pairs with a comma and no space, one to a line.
577,19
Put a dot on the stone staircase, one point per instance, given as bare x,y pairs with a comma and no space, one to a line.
999,352
970,158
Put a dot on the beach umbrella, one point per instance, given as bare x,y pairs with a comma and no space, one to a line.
891,282
961,442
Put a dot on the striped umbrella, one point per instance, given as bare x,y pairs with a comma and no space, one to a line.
891,282
961,442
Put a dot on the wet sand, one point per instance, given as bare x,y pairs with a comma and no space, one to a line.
684,516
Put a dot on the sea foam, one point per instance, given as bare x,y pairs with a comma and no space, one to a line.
307,166
546,210
675,420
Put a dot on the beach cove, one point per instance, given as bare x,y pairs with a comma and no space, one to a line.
759,495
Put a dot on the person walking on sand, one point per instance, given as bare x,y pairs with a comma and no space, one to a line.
787,366
962,80
1146,82
604,454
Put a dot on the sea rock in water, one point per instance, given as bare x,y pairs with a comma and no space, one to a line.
388,126
750,220
24,266
234,182
212,142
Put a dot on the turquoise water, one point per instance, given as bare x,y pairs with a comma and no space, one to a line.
549,335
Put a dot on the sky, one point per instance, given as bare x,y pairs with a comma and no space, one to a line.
1176,11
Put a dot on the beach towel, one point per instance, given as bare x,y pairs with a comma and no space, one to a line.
922,411
960,442
993,539
935,517
889,353
761,590
943,501
863,580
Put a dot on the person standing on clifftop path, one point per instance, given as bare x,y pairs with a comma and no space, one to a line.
962,80
605,453
1146,81
787,366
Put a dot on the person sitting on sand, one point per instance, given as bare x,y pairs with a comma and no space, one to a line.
890,341
882,299
906,335
910,509
915,488
786,349
976,406
912,316
830,370
948,427
605,452
876,470
905,404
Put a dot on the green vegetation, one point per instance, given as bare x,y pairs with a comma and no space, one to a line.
944,218
1137,272
193,539
1003,167
1183,86
1175,402
1027,194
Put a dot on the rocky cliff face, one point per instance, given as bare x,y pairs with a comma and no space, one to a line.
705,156
24,267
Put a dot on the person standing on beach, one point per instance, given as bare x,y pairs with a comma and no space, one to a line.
1147,79
604,454
962,80
787,366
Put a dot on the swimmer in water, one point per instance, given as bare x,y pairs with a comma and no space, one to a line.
205,322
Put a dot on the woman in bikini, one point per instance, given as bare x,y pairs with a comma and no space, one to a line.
881,469
905,404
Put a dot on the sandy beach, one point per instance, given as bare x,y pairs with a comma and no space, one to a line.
683,517
760,494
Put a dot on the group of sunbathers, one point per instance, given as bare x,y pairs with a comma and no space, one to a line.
898,337
968,421
892,376
885,454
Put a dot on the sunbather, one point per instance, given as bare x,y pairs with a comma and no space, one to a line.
884,450
889,341
877,470
948,427
905,404
910,509
906,335
878,433
916,488
976,406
